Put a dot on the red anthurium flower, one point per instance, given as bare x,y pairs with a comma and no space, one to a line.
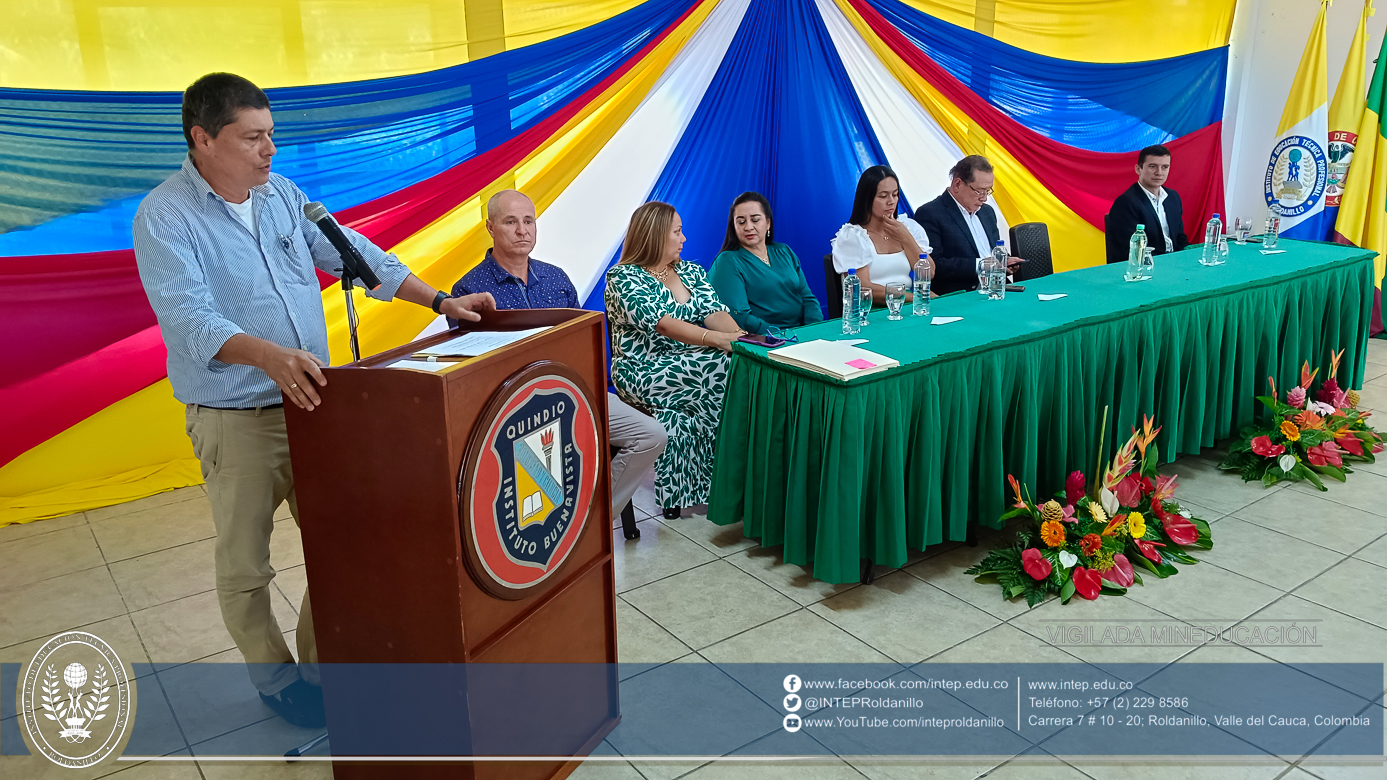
1146,485
1128,491
1087,582
1121,572
1149,549
1074,487
1327,454
1349,442
1180,530
1035,564
1262,446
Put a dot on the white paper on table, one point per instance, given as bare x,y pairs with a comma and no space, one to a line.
944,320
1272,251
1051,296
422,365
480,342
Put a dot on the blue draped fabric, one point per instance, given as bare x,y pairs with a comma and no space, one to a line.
1101,107
780,117
345,144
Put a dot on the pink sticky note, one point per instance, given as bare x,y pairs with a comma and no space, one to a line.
861,363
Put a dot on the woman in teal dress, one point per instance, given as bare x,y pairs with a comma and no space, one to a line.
670,342
758,278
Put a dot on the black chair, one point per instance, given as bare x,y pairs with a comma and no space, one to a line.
1030,241
833,283
1114,246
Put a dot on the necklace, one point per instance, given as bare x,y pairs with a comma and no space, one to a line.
659,275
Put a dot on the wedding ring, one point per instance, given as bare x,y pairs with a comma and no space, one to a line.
291,387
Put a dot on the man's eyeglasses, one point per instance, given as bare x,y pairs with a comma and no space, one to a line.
983,193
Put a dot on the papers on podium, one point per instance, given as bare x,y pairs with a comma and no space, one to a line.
479,342
837,359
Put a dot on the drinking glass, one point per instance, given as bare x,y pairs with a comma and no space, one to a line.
895,297
1273,230
866,302
1242,229
982,274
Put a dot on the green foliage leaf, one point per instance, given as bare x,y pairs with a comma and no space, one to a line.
1067,591
1331,471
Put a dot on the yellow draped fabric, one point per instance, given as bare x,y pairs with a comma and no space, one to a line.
1083,29
162,45
59,476
1074,242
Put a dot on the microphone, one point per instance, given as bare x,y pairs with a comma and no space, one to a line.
353,264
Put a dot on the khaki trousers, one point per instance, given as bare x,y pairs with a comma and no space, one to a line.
245,463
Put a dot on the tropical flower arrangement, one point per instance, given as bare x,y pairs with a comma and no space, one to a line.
1307,437
1091,541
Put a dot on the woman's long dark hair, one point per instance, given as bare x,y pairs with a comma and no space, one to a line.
730,241
867,192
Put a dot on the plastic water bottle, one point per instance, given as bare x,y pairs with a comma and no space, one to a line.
852,303
919,306
997,274
1213,234
1273,231
1136,247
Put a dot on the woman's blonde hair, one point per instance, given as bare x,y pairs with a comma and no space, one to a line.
644,245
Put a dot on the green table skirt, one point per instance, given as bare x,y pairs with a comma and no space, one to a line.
836,472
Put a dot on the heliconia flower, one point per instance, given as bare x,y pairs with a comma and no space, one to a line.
1116,525
1122,463
1262,446
1306,375
1091,544
1035,564
1272,382
1334,358
1074,487
1286,462
1128,491
1087,583
1350,443
1121,572
1016,488
1308,420
1326,454
1290,431
1180,530
1149,549
1147,435
1296,397
1165,488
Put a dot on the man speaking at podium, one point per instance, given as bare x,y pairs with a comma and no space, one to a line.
226,257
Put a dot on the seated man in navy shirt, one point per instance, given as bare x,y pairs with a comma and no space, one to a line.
518,281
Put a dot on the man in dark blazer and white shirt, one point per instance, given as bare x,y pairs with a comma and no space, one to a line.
1138,204
962,226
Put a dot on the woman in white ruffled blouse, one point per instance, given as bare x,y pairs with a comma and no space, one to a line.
882,246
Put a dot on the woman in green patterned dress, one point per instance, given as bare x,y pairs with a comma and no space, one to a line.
670,342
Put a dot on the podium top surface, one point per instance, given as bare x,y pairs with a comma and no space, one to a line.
559,322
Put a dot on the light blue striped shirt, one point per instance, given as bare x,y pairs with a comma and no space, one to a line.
208,278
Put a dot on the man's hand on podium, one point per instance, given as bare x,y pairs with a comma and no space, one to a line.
465,307
295,371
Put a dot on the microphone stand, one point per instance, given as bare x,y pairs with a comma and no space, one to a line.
349,271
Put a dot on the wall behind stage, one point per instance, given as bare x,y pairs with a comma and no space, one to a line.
1267,41
404,116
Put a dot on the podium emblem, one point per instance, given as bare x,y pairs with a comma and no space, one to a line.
529,479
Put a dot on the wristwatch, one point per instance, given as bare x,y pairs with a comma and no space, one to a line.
438,301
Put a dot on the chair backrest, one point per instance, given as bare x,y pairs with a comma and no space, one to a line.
1114,246
1030,241
833,288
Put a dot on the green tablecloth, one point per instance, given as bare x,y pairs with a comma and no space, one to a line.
837,471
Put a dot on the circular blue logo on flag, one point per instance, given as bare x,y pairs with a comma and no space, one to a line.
1296,175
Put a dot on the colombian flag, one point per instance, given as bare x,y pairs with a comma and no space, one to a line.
1298,171
1363,211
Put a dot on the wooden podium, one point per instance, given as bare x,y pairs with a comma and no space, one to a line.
464,516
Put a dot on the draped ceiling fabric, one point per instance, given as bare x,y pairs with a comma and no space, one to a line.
404,116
